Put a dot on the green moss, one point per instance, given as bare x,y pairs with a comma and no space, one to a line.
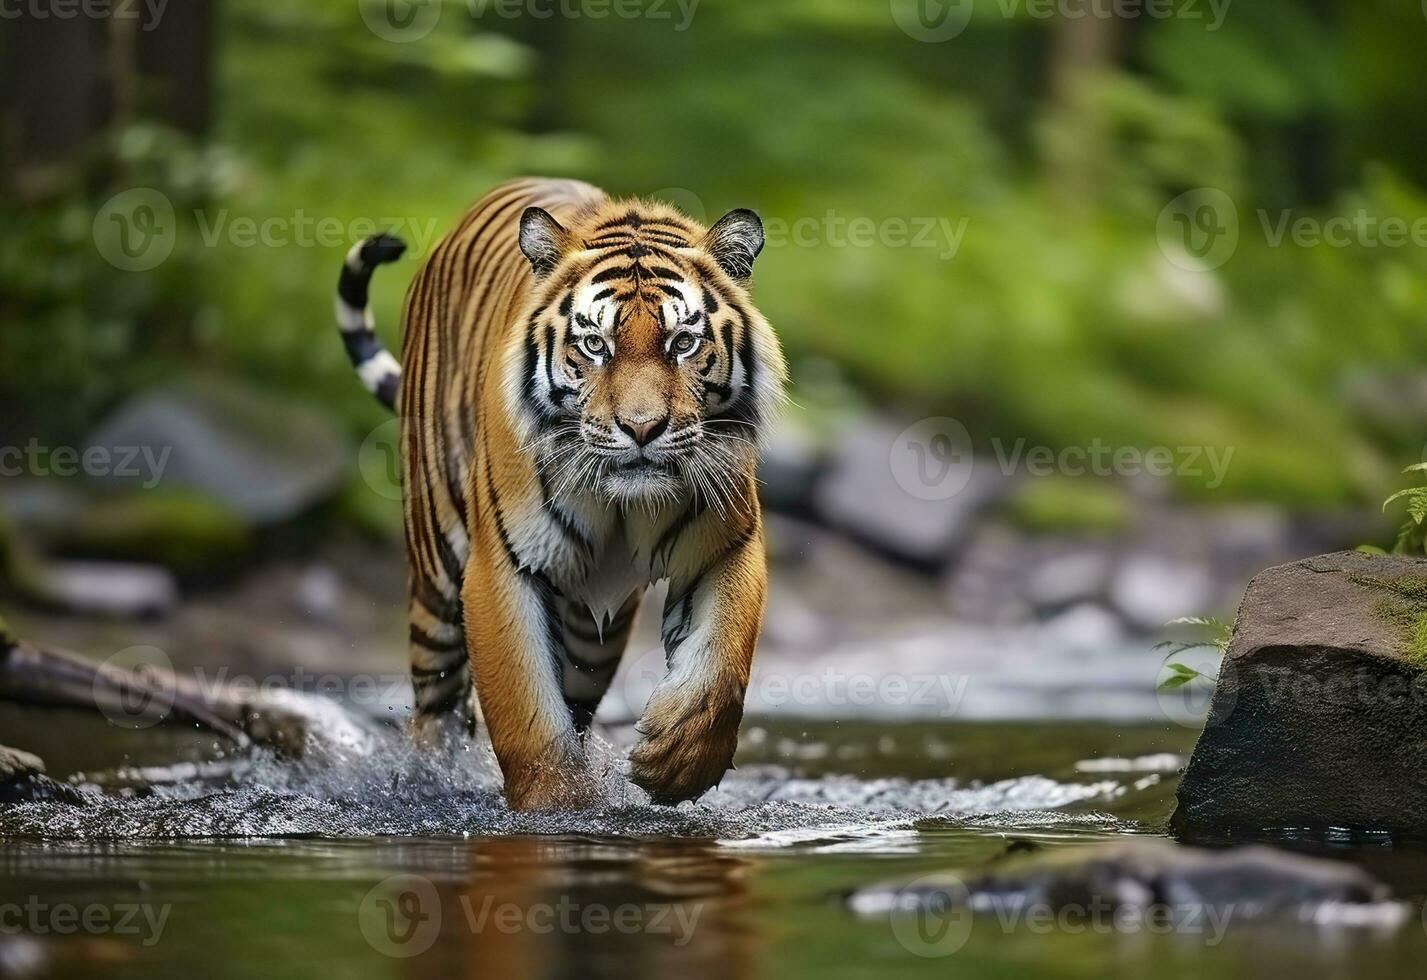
185,532
1405,607
1067,504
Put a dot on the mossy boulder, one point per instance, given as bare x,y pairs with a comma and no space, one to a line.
185,532
1319,715
264,458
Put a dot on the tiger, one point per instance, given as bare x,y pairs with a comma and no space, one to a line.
583,392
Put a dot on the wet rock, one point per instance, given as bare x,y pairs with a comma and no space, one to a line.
793,462
1066,580
1150,590
1153,876
1319,716
264,458
1006,576
1086,626
320,593
109,589
191,535
23,779
866,498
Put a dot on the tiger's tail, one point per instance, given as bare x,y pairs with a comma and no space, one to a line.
379,370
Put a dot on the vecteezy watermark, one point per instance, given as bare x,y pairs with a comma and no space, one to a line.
937,915
835,230
400,21
143,463
933,460
147,12
1360,230
302,230
815,688
403,21
1100,458
138,687
34,917
135,688
402,917
1199,230
932,21
1188,684
379,460
136,230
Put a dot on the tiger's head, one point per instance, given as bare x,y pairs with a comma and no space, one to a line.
644,369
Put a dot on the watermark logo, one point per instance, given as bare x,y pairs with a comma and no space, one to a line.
932,21
1186,685
401,916
932,459
379,460
142,693
1361,230
931,916
833,230
143,464
690,203
1199,230
147,12
400,21
135,230
817,688
34,917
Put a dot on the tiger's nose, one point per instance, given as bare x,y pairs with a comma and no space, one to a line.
644,432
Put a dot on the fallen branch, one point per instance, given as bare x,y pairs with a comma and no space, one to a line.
292,722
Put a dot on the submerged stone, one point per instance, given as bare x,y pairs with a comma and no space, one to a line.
1319,715
1149,877
23,779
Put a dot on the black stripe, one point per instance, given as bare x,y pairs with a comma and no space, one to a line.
616,272
424,640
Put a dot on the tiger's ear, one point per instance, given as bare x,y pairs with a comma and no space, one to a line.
543,240
734,242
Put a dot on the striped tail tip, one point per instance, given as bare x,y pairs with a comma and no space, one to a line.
381,249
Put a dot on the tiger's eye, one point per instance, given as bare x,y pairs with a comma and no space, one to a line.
684,343
594,345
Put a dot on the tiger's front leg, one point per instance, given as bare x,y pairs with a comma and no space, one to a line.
513,635
689,730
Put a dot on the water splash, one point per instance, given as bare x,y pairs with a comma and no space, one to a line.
401,790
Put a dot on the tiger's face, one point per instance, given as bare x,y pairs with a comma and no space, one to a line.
646,371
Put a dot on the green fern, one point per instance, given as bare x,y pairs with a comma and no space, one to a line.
1217,636
1412,538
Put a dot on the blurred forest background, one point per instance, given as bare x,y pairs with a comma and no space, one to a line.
1061,318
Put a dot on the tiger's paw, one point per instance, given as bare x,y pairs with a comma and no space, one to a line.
687,743
562,781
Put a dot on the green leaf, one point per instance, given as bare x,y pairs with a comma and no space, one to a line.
1409,492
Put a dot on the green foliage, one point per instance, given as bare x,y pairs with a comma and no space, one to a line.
1062,504
185,532
1215,634
1411,536
1043,307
